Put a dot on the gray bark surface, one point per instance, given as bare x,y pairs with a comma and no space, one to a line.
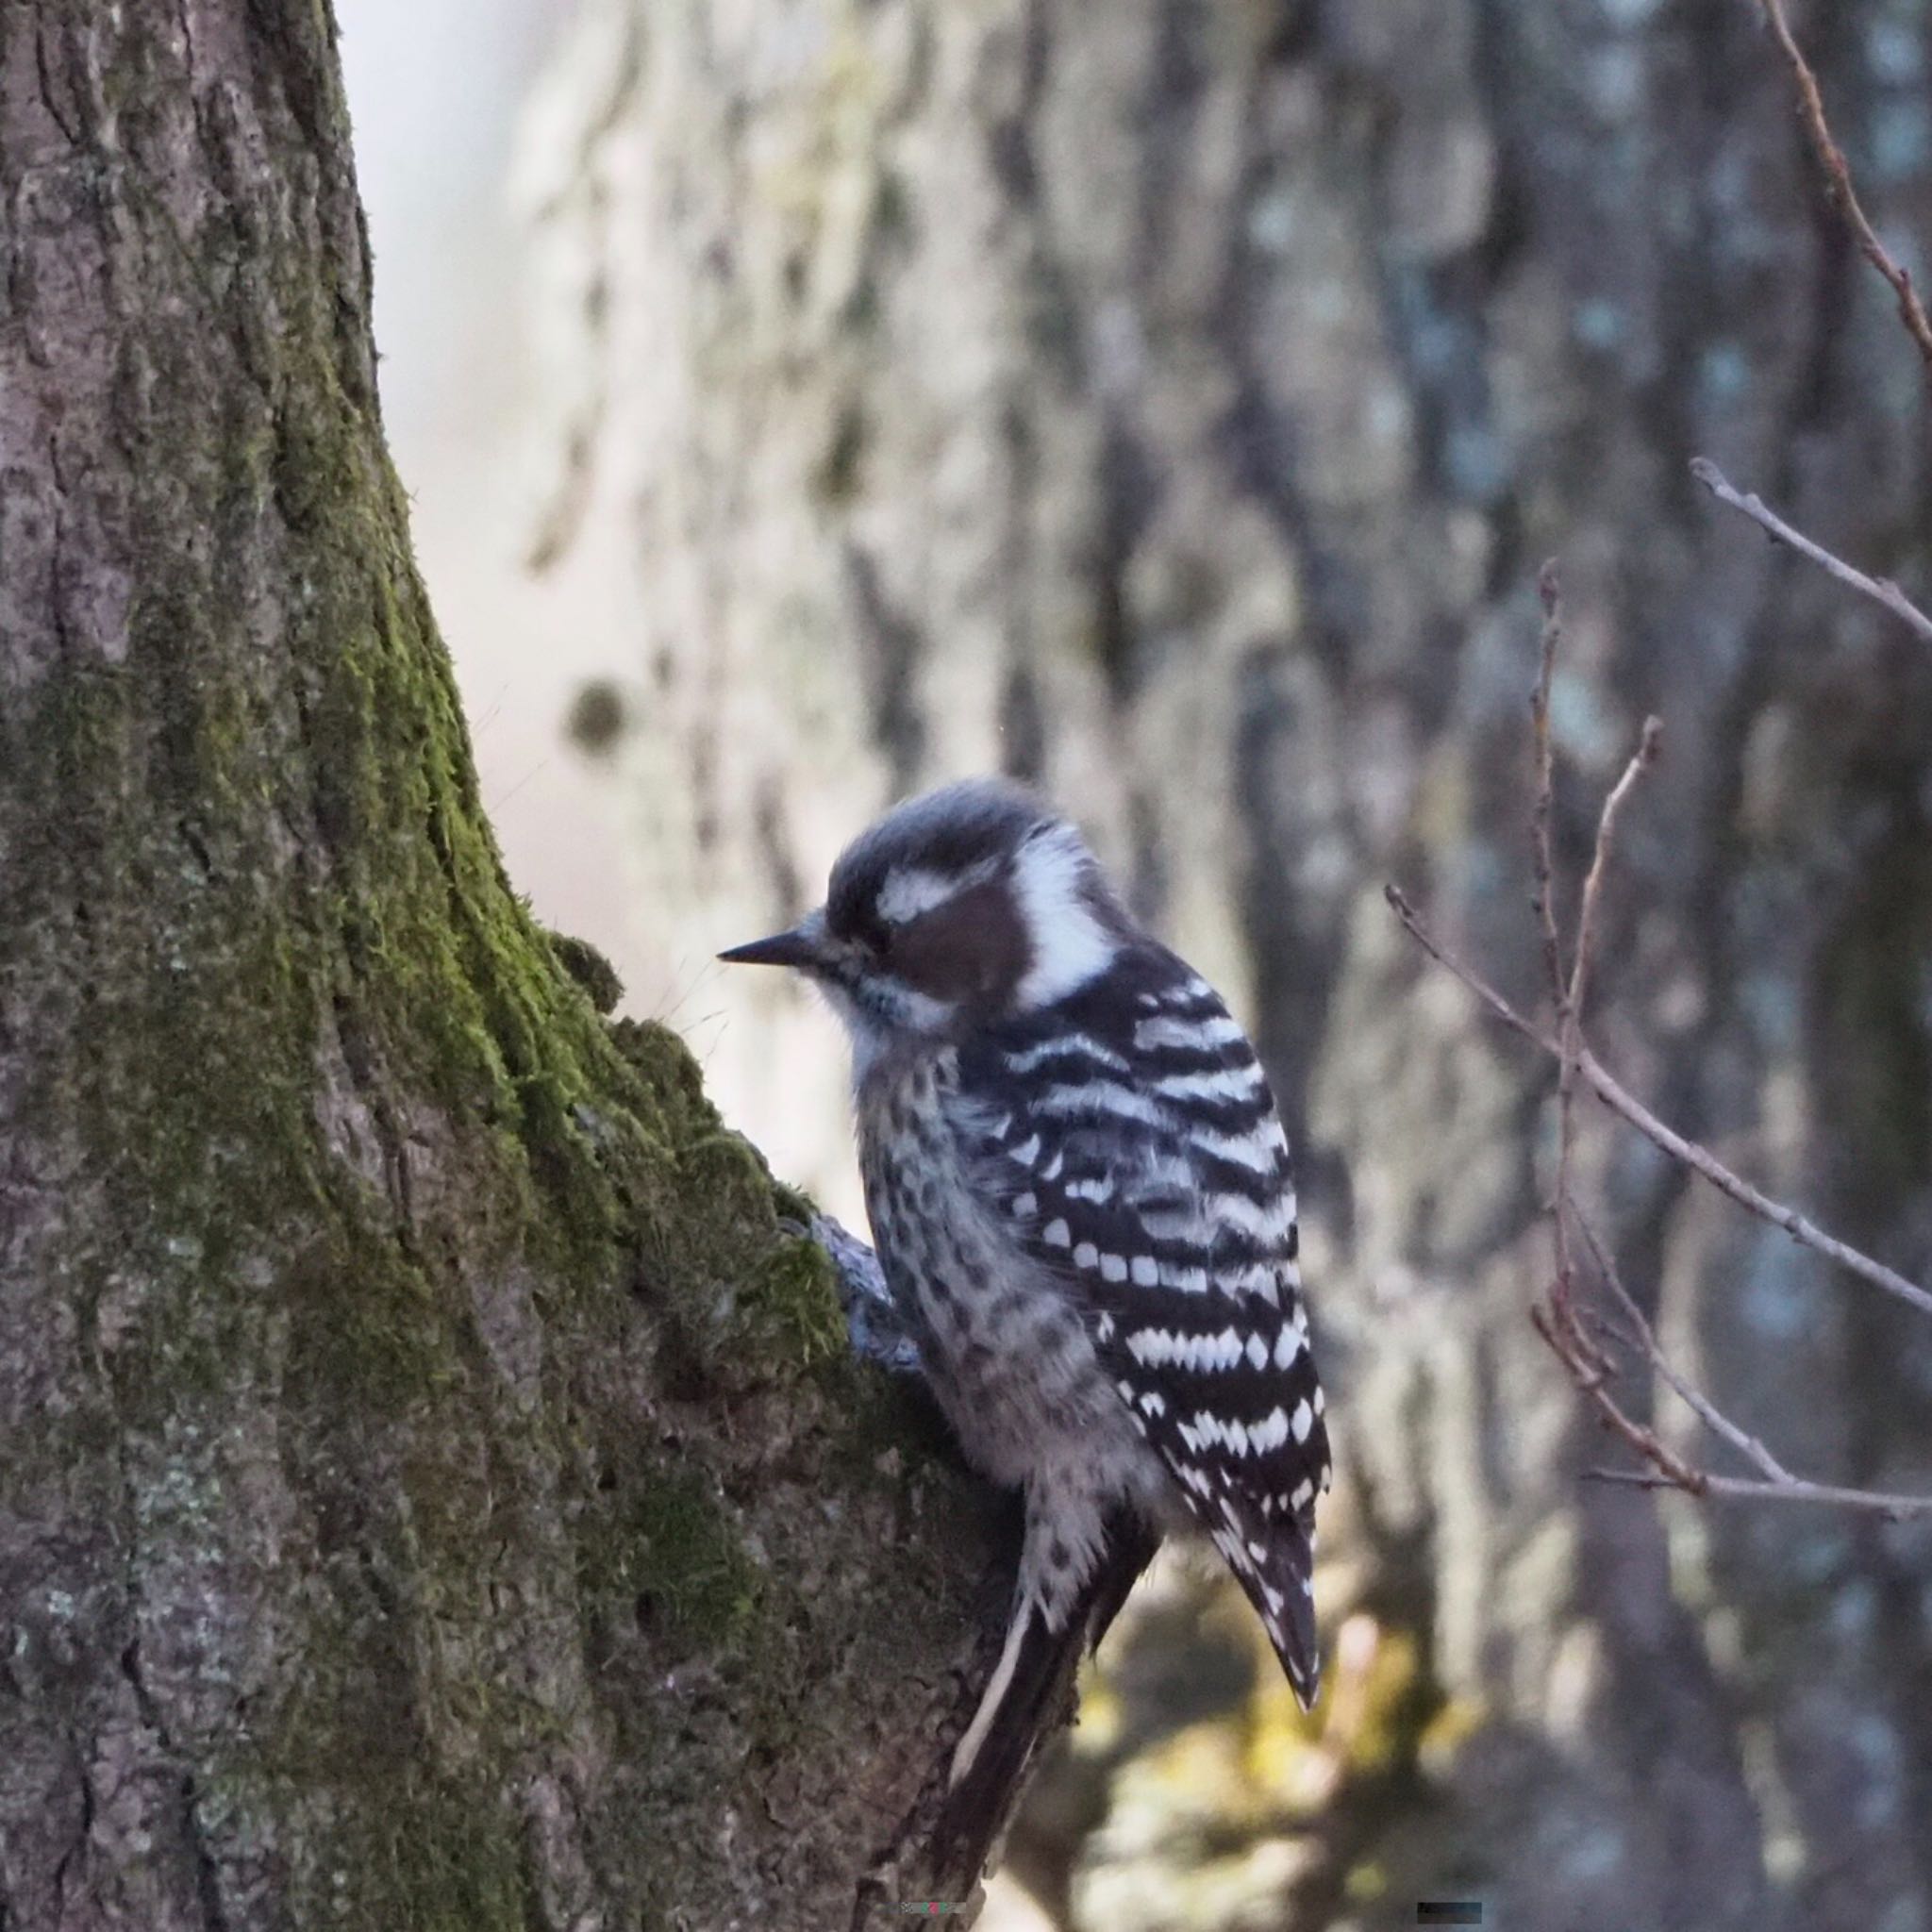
434,1491
1172,402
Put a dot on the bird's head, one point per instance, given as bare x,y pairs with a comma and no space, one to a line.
964,906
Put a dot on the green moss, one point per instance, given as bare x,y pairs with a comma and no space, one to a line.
398,1231
791,1306
590,970
695,1581
448,1858
368,1328
667,1069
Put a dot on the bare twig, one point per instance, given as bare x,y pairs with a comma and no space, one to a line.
1692,1397
1752,1490
1620,1101
1648,746
1569,1047
1838,179
1570,1330
1549,587
1880,590
1573,1343
1592,1378
1669,1470
1807,1233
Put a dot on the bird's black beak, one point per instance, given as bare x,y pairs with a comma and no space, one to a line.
800,948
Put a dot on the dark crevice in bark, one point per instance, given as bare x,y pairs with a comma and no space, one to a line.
892,648
1021,727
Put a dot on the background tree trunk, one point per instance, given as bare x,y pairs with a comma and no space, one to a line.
1171,401
433,1491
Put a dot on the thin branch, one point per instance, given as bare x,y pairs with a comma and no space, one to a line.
1569,1047
1686,1393
1806,1232
1620,1101
1549,587
1594,1382
1838,179
1880,590
1641,759
1556,1317
1754,1489
1669,1470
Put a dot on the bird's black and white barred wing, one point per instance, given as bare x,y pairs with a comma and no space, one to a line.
1129,1132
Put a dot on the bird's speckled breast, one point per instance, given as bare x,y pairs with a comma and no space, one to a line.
1018,1369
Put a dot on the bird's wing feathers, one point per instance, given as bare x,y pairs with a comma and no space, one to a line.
1130,1136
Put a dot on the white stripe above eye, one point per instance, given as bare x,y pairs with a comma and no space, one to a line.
911,889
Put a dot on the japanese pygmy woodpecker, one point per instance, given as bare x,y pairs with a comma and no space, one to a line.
1082,1201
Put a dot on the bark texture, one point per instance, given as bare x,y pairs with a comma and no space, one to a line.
1171,401
433,1489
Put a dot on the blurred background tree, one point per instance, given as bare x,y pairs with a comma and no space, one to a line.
1169,401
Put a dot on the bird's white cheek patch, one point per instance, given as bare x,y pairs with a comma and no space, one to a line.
1069,945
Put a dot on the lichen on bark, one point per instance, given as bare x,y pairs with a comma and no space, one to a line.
433,1493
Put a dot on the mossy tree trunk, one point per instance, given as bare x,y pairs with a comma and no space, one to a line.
1174,400
433,1491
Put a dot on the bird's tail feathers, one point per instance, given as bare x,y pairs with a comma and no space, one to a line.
1276,1569
1029,1693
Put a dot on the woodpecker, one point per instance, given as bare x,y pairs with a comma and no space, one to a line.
1081,1196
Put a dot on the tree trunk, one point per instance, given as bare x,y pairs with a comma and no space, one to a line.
1172,400
433,1489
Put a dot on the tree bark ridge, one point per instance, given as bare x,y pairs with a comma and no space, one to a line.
433,1491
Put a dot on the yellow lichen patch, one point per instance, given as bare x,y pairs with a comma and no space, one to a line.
1363,1726
1285,1756
1245,1891
1444,1735
1365,1884
1199,1778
